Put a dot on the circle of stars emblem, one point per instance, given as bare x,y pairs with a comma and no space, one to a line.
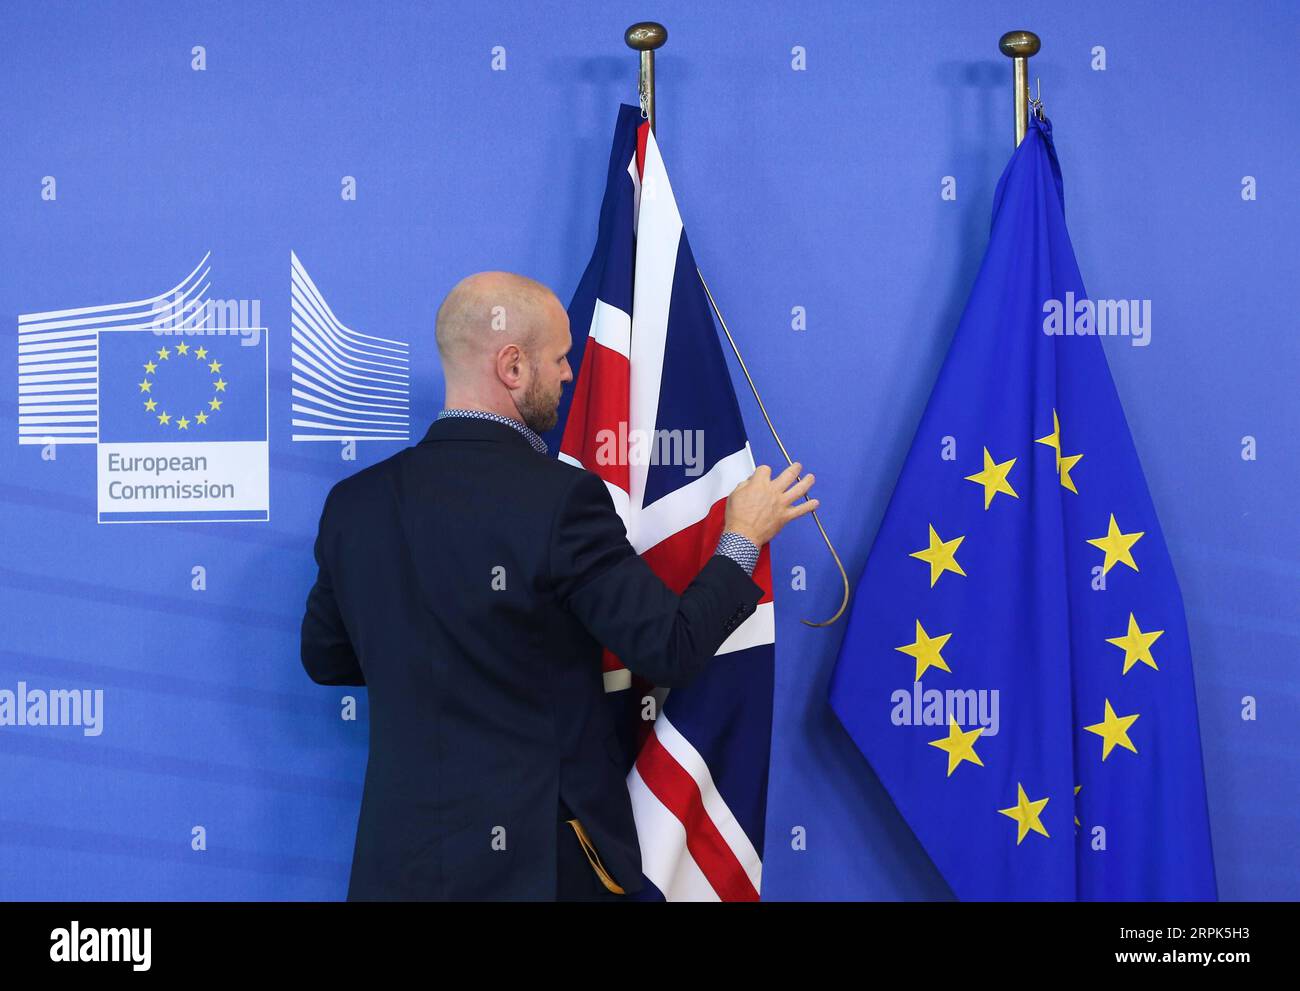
181,352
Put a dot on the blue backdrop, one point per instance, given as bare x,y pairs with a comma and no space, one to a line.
477,137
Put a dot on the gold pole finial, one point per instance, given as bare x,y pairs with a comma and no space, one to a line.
1020,46
645,37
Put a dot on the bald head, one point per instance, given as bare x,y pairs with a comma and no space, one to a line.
487,311
503,339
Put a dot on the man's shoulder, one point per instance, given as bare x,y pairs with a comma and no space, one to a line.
543,477
363,482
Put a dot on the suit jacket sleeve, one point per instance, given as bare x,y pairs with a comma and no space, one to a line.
600,578
327,653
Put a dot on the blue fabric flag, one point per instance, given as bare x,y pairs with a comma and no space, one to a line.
1016,666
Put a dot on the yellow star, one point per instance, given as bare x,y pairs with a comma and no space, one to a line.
1077,824
164,417
146,385
1118,546
994,478
214,366
958,745
1064,462
200,417
1068,462
162,353
940,555
220,384
150,368
1137,645
1113,730
201,353
926,651
149,406
183,424
1053,440
1026,814
214,404
182,348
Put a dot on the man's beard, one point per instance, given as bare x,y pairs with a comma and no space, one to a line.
538,410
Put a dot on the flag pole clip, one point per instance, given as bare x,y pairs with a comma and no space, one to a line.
645,37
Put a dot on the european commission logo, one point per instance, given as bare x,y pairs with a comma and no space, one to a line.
171,390
347,386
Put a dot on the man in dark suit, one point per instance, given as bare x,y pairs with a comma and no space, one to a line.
469,582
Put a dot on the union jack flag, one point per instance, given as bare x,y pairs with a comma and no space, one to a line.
652,383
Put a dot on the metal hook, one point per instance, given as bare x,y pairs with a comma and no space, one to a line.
1036,102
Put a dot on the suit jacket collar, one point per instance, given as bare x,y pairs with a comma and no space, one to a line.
474,428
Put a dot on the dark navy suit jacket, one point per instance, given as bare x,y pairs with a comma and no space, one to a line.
469,582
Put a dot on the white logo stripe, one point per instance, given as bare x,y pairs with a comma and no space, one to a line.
363,379
58,356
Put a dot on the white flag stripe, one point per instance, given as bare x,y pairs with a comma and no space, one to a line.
686,506
611,327
665,858
658,234
689,758
758,629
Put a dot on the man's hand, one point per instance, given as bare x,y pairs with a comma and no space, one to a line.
761,505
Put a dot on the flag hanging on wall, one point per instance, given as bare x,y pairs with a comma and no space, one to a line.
1016,665
653,413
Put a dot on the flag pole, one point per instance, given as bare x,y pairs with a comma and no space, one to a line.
1020,46
645,37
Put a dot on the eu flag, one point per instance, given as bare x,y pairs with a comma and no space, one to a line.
1016,666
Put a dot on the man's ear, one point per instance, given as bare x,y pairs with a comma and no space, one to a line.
510,362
